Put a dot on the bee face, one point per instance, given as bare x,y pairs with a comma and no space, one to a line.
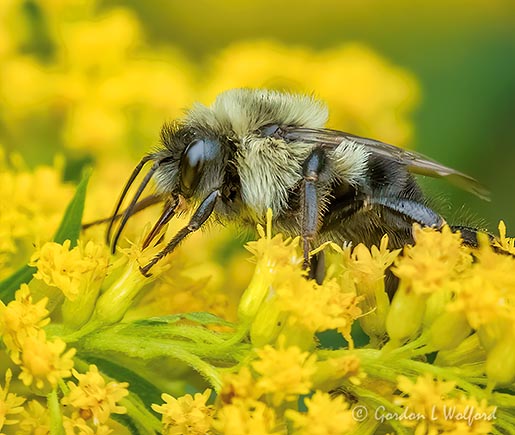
256,149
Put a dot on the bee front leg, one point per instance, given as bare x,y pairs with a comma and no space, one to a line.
311,170
200,216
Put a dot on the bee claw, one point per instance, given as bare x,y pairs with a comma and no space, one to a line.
144,270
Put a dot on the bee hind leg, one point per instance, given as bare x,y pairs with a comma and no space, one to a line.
469,235
410,210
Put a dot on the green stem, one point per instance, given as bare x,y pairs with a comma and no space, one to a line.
149,349
240,334
412,348
56,418
63,387
505,422
88,328
504,400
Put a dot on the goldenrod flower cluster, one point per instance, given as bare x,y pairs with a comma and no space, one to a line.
31,206
213,343
42,362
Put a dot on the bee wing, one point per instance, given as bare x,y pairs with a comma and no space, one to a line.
415,162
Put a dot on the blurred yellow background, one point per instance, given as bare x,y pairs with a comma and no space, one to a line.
89,83
94,80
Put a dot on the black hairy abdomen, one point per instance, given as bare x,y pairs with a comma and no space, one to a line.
355,215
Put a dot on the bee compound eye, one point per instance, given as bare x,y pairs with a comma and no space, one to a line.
192,162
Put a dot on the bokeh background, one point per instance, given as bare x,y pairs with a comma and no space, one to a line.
92,81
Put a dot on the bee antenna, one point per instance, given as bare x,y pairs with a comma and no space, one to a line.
131,179
130,209
141,205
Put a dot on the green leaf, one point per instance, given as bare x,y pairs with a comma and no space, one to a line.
207,319
56,418
12,283
71,225
161,320
69,229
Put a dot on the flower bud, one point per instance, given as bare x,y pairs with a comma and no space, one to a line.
295,334
448,330
469,352
267,324
405,316
436,305
117,299
253,296
375,307
500,361
77,312
490,333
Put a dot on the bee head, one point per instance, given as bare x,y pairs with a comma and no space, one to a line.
190,163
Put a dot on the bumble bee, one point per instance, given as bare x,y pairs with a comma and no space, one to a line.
258,149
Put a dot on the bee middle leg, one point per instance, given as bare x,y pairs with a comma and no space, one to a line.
311,170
